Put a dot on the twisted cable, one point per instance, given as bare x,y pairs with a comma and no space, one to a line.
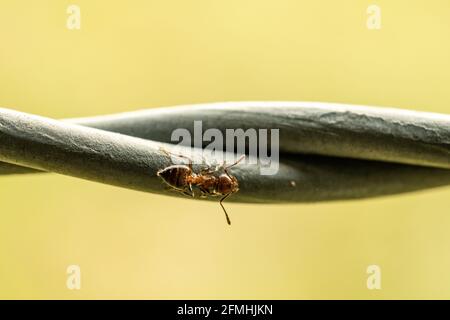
327,151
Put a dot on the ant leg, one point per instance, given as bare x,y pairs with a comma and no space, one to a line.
190,189
168,153
225,211
187,194
209,168
225,168
204,160
204,192
178,190
207,171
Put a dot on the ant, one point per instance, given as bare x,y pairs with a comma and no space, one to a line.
182,178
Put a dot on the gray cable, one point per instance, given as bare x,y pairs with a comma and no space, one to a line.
328,151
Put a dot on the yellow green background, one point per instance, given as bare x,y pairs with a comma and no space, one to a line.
142,54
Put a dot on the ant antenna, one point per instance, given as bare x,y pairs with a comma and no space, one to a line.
238,160
225,168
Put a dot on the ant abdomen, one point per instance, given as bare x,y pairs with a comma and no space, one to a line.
176,176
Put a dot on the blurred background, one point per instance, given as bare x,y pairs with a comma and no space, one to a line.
143,54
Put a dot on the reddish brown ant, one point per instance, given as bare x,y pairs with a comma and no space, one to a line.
182,178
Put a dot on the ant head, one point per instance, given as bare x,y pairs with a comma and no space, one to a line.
227,184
